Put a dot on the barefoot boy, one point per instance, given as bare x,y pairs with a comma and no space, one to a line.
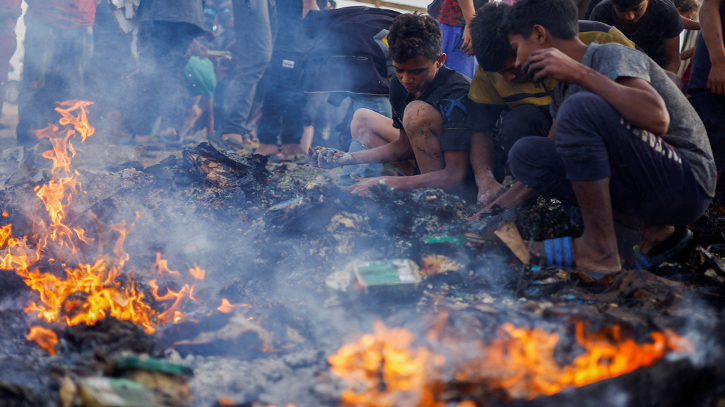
429,116
624,140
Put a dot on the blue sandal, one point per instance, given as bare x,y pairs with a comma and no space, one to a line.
560,253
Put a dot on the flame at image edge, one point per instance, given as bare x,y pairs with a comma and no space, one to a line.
383,369
103,293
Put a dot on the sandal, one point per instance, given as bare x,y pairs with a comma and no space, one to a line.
664,250
560,253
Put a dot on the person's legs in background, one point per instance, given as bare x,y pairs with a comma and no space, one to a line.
159,89
53,71
456,59
711,109
255,24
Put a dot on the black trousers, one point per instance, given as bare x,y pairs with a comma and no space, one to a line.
159,89
520,122
647,177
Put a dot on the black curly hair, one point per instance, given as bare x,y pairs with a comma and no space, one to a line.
413,35
687,6
490,44
559,17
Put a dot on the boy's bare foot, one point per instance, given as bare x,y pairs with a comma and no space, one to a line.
236,137
594,257
266,149
652,235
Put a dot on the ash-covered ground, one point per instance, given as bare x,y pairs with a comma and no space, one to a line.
276,258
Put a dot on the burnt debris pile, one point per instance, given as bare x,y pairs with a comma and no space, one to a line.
300,293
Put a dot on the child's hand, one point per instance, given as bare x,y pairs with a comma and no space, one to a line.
323,157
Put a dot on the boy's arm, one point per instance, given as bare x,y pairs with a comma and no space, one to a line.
468,11
628,96
483,162
690,24
452,177
712,34
672,54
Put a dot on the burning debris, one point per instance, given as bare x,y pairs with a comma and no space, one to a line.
255,274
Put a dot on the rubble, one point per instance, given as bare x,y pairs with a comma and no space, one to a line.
271,309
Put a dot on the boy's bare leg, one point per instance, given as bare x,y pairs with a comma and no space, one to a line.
371,129
423,124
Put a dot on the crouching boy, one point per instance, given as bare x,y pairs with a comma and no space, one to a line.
429,117
624,141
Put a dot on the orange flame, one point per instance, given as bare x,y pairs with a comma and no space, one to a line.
383,369
46,338
227,307
103,293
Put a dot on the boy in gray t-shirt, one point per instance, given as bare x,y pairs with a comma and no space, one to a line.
625,142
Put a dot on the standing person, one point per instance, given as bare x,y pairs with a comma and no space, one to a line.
707,80
10,11
454,18
654,25
284,111
166,30
255,24
58,45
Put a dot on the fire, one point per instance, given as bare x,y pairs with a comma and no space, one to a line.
383,369
44,337
227,307
89,291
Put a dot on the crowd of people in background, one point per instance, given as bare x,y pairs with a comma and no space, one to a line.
585,102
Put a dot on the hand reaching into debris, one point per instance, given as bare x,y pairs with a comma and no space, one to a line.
362,185
323,157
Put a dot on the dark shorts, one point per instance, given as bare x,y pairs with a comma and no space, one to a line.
648,178
517,123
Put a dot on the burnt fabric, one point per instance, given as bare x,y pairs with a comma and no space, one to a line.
448,93
648,178
159,90
661,22
53,69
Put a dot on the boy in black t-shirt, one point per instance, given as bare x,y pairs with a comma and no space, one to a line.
654,25
429,116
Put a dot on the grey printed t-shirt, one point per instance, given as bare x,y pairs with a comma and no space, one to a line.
686,133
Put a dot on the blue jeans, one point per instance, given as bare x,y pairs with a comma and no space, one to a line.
456,59
379,104
255,24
